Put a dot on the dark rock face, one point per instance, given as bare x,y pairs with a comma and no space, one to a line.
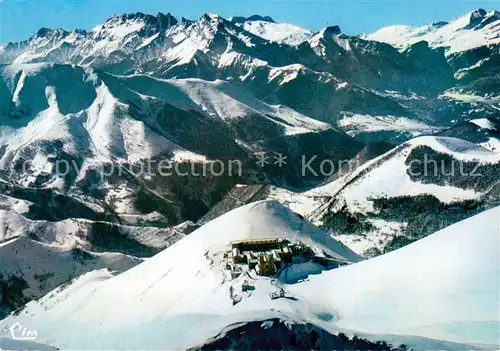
274,334
333,30
11,296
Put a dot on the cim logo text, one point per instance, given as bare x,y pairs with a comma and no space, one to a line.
18,332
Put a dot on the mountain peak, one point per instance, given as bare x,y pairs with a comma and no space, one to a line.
211,17
241,19
479,13
261,18
480,18
44,32
332,30
325,35
160,18
166,20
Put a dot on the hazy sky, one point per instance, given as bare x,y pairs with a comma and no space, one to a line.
20,19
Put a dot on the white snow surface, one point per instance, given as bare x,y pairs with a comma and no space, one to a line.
445,286
278,32
355,124
386,177
483,123
180,297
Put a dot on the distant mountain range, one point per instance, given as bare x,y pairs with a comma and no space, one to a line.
330,76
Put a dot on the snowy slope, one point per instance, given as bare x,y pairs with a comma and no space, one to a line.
387,176
58,115
180,298
444,286
475,29
393,195
85,233
101,113
166,292
327,75
43,267
482,131
42,255
222,100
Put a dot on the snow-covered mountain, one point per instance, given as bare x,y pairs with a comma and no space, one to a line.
177,306
473,30
471,42
139,35
403,195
